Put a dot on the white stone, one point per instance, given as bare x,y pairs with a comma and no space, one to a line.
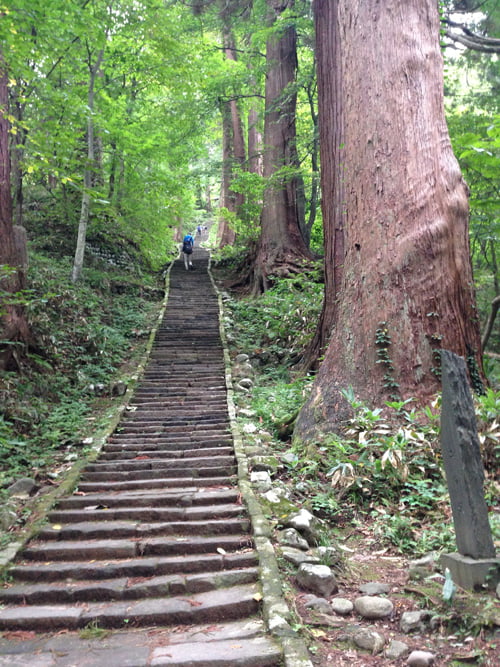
342,606
369,606
420,659
317,578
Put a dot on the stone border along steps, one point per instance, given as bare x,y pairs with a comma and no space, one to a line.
162,554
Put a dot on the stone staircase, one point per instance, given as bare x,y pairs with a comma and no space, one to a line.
152,559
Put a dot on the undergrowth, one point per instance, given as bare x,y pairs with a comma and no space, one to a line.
81,335
385,466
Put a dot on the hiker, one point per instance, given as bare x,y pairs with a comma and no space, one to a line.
187,251
198,229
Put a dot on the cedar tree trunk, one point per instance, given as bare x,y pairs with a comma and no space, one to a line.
13,324
405,288
281,249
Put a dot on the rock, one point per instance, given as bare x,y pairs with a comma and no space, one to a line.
318,604
267,463
422,567
7,518
262,480
23,488
369,640
413,621
342,606
420,659
118,388
290,457
498,590
292,538
241,358
245,383
305,523
374,588
245,412
396,649
317,578
373,607
296,556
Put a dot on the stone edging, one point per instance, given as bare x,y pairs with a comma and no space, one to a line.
276,611
70,479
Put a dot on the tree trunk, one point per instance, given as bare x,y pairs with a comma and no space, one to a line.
405,289
281,249
332,151
14,327
87,174
225,234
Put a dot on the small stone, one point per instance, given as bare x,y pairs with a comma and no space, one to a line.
396,649
413,621
373,607
241,358
317,578
374,588
369,640
293,538
268,463
262,480
420,659
342,606
23,488
318,604
118,388
296,556
305,523
422,567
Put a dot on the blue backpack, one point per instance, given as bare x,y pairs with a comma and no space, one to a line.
187,244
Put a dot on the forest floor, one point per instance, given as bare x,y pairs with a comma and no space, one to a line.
329,638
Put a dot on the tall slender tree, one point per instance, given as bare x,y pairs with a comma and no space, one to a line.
13,323
404,287
281,248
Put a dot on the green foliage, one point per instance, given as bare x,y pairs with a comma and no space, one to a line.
278,325
82,334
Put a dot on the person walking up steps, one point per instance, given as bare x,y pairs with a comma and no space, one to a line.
187,251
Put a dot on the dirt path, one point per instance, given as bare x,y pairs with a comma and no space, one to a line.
153,559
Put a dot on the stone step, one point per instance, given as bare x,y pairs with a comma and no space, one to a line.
202,513
212,606
132,548
125,588
236,644
178,497
122,453
159,472
159,482
116,529
176,441
143,462
63,571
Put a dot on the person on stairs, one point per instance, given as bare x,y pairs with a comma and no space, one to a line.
187,251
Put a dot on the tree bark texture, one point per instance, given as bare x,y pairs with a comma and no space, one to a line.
406,271
281,243
88,172
331,139
14,327
225,233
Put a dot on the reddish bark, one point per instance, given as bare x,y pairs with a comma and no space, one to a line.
14,326
406,248
281,248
